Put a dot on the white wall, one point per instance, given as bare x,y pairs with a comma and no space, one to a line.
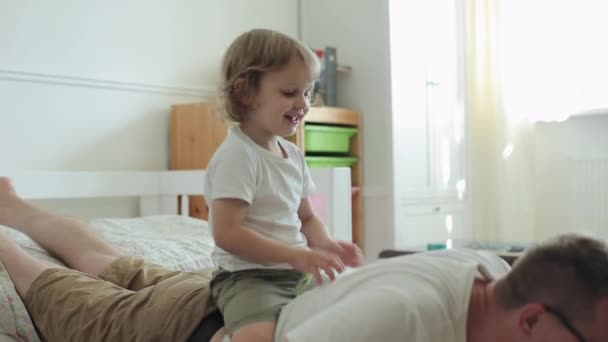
88,84
360,32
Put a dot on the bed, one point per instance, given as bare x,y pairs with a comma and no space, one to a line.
162,233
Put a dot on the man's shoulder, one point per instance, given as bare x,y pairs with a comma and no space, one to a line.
487,262
449,261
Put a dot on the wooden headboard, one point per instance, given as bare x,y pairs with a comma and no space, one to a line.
196,133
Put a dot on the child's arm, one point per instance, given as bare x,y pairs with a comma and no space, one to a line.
312,227
318,236
232,236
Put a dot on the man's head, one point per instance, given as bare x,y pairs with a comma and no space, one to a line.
558,291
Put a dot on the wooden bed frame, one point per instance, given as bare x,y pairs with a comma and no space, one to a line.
168,192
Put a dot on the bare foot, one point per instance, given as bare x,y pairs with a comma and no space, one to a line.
9,201
6,186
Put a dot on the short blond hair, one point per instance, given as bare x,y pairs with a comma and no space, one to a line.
249,57
568,273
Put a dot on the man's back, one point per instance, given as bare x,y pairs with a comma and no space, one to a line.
422,297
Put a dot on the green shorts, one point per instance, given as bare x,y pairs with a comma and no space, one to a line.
257,295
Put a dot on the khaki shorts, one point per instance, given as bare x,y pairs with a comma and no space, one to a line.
130,301
253,296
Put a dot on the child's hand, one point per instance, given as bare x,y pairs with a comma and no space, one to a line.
349,253
313,261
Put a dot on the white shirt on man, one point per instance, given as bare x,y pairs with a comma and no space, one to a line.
274,187
415,298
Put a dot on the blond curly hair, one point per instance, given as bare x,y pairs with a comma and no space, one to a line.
249,57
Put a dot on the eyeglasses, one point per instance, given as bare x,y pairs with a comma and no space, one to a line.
562,318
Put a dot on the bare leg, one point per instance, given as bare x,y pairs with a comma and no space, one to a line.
255,332
70,240
219,335
22,267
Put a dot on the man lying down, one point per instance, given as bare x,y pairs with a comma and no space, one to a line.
557,292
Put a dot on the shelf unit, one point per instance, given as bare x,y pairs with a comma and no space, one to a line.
350,118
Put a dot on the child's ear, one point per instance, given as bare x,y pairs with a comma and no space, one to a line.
244,94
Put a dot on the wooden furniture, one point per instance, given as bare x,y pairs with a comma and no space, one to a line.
342,117
197,131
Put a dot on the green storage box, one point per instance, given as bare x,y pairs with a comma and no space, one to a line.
331,139
330,161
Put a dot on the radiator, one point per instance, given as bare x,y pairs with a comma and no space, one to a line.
588,195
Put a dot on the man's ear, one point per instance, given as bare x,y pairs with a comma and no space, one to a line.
529,316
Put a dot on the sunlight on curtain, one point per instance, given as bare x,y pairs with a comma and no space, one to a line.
481,108
528,61
501,149
554,58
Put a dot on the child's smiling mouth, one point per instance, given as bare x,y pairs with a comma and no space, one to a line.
294,118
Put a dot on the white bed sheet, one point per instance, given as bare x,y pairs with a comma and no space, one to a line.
176,242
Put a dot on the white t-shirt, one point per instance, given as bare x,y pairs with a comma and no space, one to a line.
272,185
415,298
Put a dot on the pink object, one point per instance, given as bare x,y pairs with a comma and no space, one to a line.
319,204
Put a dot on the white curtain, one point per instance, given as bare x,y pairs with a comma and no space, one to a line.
502,196
554,58
527,61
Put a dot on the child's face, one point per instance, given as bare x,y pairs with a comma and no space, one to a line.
282,99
